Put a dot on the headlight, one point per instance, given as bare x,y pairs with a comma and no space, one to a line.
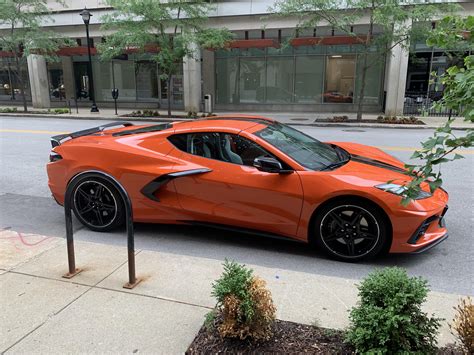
399,190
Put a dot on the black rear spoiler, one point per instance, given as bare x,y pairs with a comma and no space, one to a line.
57,140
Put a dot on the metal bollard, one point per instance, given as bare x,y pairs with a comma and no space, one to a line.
132,279
73,271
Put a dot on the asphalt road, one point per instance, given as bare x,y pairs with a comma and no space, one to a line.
26,206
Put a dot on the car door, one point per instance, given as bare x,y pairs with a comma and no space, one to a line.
234,192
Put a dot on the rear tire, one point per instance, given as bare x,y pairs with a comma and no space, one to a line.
350,230
97,203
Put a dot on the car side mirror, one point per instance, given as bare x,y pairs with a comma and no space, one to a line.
269,165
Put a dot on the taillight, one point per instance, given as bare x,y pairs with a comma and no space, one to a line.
53,156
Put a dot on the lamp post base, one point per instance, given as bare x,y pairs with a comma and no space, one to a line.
94,108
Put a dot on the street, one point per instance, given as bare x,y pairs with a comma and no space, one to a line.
26,206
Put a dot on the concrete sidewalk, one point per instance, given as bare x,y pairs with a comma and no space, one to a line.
293,118
41,312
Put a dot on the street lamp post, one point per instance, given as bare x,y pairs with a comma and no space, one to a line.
86,16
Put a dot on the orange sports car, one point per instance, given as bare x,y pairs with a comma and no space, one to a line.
246,173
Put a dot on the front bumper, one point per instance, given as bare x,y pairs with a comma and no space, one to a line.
430,245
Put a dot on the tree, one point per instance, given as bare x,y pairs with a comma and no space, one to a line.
456,35
390,24
173,28
25,35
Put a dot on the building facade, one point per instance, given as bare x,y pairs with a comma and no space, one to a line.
259,72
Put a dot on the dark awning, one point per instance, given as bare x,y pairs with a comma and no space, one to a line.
71,51
254,43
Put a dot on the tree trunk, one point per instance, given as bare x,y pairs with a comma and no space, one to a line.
370,33
21,82
362,88
168,83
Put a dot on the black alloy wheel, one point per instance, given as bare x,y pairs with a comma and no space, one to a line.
351,231
97,204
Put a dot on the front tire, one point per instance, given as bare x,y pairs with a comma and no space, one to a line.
350,230
96,203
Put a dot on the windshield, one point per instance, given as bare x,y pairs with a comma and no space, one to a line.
307,151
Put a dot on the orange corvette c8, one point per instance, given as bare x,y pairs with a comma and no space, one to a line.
246,173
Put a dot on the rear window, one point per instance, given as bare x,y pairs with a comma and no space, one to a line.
180,141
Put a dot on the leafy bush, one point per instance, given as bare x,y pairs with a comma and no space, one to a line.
61,110
463,324
398,120
339,118
8,110
388,318
243,303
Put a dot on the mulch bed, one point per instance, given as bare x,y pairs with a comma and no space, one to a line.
330,120
450,349
289,338
19,113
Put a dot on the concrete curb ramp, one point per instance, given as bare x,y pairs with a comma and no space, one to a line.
41,312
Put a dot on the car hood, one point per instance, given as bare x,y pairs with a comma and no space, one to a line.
370,153
370,166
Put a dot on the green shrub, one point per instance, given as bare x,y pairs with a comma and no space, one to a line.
244,304
8,110
388,318
61,110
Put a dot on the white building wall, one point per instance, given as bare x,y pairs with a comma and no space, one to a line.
236,15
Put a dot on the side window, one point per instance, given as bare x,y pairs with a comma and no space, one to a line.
203,144
244,149
226,147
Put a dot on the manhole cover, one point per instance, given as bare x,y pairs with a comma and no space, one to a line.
299,119
353,130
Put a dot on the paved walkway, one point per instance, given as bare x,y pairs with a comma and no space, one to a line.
293,118
41,312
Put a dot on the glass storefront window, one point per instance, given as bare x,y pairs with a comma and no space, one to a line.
102,81
57,90
124,75
177,90
340,73
147,80
226,73
305,75
317,49
252,52
309,79
252,80
279,80
373,82
9,83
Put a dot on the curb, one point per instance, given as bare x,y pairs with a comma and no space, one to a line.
154,119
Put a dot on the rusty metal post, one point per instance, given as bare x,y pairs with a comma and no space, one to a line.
73,271
132,279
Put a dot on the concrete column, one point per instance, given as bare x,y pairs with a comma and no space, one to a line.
192,81
68,77
38,81
208,73
396,78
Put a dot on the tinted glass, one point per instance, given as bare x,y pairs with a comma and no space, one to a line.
226,147
307,151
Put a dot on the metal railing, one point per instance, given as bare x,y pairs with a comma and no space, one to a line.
418,104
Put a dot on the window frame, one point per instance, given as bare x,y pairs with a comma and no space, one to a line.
283,163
